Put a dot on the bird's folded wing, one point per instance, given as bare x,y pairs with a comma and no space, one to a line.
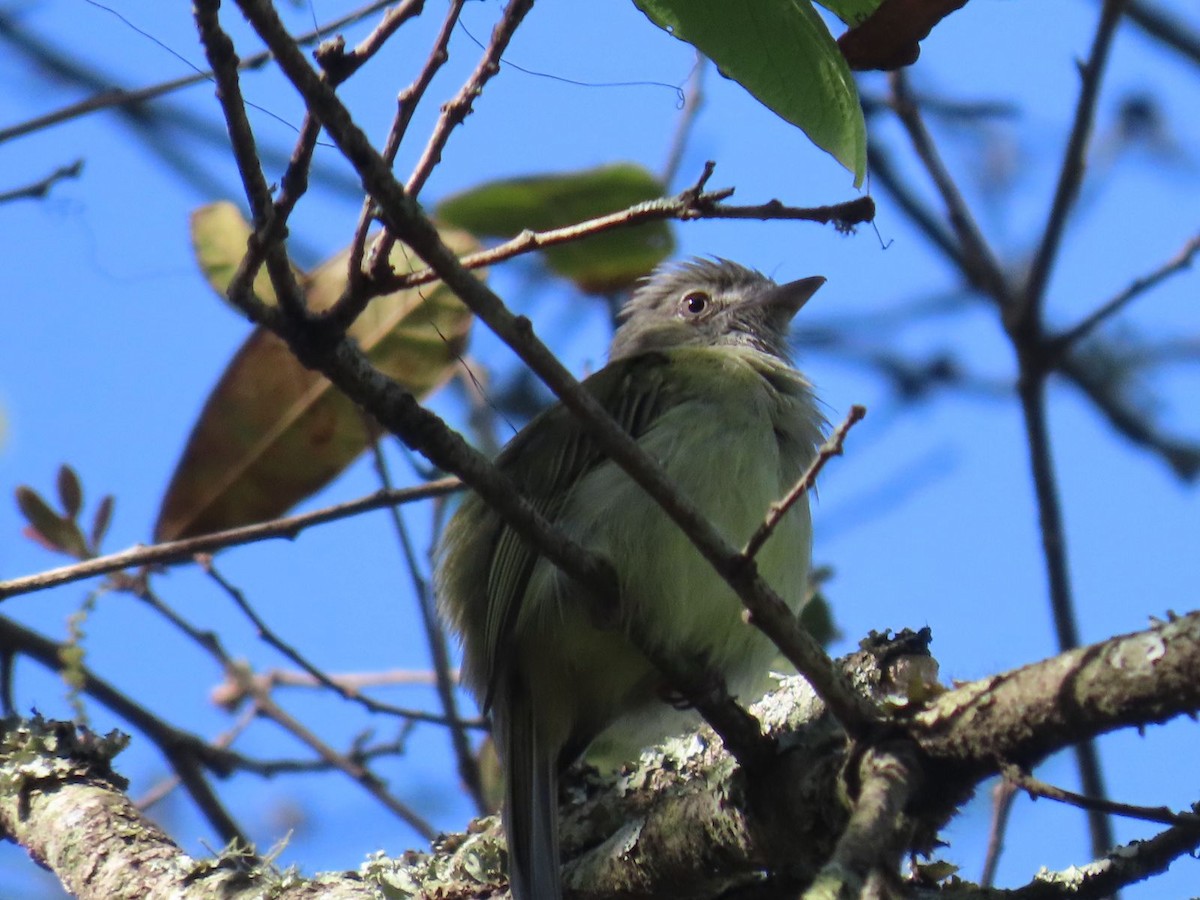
635,392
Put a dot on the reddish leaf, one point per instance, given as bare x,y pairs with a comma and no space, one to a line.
890,38
52,530
70,491
101,521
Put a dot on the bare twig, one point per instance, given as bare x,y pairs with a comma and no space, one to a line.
435,638
1071,171
339,65
245,684
267,240
185,550
1182,456
1003,795
356,296
1032,392
224,740
40,188
831,448
979,264
1171,30
1024,323
1062,342
186,753
685,206
355,770
1035,787
458,108
120,97
454,112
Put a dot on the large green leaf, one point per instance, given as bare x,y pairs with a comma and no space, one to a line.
273,432
602,263
782,53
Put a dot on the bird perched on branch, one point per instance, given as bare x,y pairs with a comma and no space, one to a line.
700,375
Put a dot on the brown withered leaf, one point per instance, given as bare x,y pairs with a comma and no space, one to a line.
890,37
272,432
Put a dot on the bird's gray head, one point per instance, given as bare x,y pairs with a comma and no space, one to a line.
710,303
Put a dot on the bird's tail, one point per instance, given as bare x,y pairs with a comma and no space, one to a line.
530,804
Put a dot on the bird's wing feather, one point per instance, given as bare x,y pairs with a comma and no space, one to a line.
635,392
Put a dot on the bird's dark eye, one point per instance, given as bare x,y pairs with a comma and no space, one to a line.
694,303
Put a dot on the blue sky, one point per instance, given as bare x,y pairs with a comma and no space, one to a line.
113,340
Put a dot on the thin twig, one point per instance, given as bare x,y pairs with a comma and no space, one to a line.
458,108
454,112
1062,342
181,551
356,771
685,206
358,753
233,692
267,240
120,97
1031,389
1182,456
339,65
158,792
185,752
831,448
246,684
979,262
1035,787
1171,30
1024,323
1003,795
435,638
1070,175
352,302
40,188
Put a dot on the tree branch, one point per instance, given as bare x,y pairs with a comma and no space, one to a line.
831,448
1063,342
40,188
172,552
1070,175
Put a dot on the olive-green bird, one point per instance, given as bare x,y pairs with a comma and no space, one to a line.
700,375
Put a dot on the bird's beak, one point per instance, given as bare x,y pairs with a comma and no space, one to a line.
785,300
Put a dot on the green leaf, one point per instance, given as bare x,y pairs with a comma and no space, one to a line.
852,12
606,262
273,432
782,53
